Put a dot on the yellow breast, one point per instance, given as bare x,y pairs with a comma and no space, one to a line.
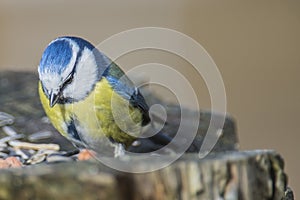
102,113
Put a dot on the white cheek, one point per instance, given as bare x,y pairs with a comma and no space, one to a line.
85,77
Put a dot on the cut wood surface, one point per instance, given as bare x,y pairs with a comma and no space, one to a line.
232,175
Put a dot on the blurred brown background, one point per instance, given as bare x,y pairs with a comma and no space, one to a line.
255,44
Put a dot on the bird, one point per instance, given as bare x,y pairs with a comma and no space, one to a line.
89,99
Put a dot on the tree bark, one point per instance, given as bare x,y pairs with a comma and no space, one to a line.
231,175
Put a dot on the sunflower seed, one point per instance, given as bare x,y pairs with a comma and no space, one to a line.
11,138
46,120
54,158
27,145
9,131
3,155
37,158
12,153
48,151
40,136
6,119
2,146
31,151
22,154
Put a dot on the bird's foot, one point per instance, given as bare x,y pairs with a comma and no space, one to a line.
86,154
119,150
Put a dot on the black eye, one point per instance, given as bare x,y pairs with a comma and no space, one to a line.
68,80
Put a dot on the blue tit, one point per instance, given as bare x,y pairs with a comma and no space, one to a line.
87,97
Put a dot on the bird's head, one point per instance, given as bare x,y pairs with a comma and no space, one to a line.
69,69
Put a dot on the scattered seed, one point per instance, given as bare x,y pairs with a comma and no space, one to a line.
37,158
14,152
49,152
52,158
11,138
22,154
31,151
27,145
6,119
40,136
45,120
9,131
71,153
3,155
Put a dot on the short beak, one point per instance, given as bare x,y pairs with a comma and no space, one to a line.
53,98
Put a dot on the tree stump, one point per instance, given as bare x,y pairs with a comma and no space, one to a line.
231,175
225,173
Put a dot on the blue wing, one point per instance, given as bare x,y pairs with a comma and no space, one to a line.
125,87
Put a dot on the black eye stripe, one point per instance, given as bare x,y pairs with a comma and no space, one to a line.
68,80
